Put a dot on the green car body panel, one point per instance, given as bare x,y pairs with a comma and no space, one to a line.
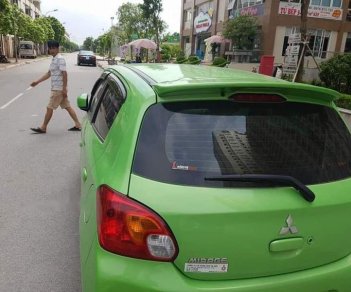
241,225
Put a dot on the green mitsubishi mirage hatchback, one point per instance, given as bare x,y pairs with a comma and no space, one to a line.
197,178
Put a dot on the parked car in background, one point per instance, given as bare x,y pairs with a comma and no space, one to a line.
27,49
199,178
86,57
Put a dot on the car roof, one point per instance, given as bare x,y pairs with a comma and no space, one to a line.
170,80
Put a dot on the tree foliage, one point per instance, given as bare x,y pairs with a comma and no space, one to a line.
242,31
131,23
6,17
151,10
44,23
88,44
70,46
58,28
336,73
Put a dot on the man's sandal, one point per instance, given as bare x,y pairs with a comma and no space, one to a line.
38,130
74,129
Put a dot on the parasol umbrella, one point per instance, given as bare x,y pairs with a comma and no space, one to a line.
143,43
218,39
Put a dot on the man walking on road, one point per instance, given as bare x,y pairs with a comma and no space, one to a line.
58,97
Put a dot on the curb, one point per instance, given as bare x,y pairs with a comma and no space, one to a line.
22,63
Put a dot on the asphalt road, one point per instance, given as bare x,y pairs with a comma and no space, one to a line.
39,182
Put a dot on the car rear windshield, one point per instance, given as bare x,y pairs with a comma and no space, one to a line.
86,53
182,143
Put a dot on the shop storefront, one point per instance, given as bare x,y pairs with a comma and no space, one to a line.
202,27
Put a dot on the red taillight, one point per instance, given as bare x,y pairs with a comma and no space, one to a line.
257,97
128,228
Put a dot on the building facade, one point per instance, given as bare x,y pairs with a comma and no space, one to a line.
29,7
329,25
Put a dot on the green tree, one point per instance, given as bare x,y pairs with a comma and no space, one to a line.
70,46
242,31
171,38
152,10
88,44
104,43
6,20
58,28
336,73
6,17
130,22
44,23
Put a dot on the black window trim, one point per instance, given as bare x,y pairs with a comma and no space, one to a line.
110,81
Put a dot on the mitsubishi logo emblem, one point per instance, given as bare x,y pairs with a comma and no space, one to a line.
290,228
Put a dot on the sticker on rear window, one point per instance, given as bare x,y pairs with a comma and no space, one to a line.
206,265
177,166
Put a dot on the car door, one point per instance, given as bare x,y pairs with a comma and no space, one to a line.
104,107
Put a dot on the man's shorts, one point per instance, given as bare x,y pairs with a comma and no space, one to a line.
57,99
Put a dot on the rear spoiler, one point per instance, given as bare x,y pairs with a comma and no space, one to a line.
291,91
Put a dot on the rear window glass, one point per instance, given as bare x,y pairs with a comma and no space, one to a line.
182,143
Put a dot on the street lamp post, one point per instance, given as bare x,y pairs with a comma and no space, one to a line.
46,13
112,18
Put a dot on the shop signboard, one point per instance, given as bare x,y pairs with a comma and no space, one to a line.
256,10
294,9
291,61
292,54
294,38
202,22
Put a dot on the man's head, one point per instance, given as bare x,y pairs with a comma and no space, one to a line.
53,47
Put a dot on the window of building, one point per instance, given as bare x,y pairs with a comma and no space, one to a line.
205,8
337,3
348,43
348,16
28,11
327,3
246,3
187,15
318,41
14,2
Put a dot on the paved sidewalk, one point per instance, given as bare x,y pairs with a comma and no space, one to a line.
21,62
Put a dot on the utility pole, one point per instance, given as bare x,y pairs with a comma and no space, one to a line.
303,30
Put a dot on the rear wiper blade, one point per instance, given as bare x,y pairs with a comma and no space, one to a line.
284,180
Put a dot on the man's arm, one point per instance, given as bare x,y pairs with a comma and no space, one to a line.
41,79
64,79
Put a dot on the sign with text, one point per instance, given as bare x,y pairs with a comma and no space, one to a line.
292,54
256,10
294,9
202,22
294,38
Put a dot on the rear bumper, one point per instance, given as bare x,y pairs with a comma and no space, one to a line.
104,271
90,61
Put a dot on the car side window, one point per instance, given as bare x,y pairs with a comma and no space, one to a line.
111,102
95,97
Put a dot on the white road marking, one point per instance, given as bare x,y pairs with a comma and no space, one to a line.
14,99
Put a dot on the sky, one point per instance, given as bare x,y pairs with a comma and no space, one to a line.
85,18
